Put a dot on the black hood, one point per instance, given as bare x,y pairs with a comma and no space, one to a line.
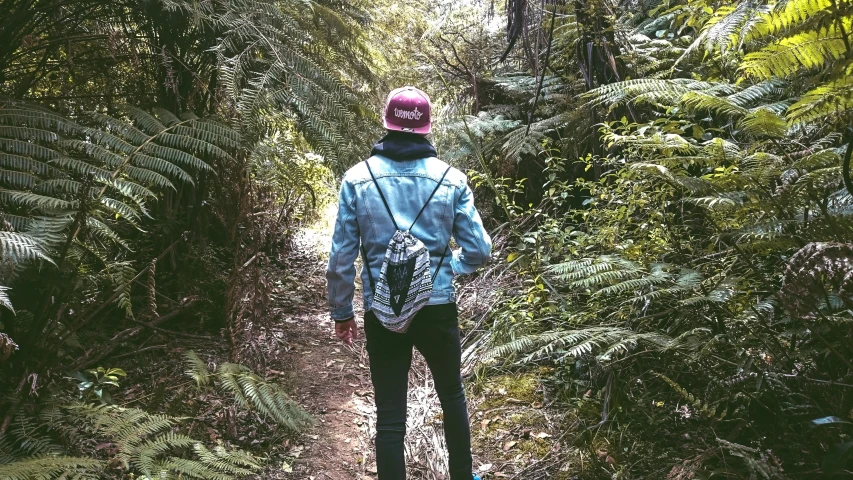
403,146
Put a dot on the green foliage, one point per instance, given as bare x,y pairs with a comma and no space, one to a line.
142,444
147,445
49,160
251,391
697,258
52,468
95,383
111,161
272,69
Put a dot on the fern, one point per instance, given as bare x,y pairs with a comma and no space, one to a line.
830,100
764,123
5,302
197,369
251,391
808,50
288,81
147,445
17,248
128,160
49,468
789,15
607,341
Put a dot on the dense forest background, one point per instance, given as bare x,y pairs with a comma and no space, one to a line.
668,182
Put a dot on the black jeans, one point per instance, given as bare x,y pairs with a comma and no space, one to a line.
435,333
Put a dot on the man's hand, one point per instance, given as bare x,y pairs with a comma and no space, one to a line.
347,331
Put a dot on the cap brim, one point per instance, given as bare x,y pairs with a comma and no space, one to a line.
425,130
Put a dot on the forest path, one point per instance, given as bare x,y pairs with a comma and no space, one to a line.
332,381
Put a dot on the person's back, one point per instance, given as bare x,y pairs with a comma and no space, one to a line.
407,184
402,175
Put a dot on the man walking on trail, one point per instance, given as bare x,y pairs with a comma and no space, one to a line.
409,299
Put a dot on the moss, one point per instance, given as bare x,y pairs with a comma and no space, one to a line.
536,447
507,389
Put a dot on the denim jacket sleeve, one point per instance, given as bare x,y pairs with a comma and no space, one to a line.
340,273
474,242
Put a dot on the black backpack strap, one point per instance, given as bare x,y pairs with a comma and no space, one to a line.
430,198
382,196
439,263
388,209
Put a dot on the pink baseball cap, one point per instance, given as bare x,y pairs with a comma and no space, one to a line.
407,109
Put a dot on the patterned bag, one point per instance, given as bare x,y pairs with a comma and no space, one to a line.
405,284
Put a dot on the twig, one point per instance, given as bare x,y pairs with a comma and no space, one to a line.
828,382
129,354
124,335
173,332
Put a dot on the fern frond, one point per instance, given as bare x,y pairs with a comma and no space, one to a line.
27,149
148,122
807,50
28,134
572,343
634,284
5,301
722,31
24,164
147,445
192,144
787,15
652,91
177,156
167,117
703,407
834,99
104,232
49,468
580,270
763,123
29,117
18,180
197,369
121,209
235,462
267,398
705,102
122,274
17,247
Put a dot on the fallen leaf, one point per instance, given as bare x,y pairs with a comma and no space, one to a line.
509,445
543,435
286,467
485,467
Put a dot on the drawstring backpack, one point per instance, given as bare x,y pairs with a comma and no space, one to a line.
405,284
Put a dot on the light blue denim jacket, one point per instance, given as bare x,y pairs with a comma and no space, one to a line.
406,185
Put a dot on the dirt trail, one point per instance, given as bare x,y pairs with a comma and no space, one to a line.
332,381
